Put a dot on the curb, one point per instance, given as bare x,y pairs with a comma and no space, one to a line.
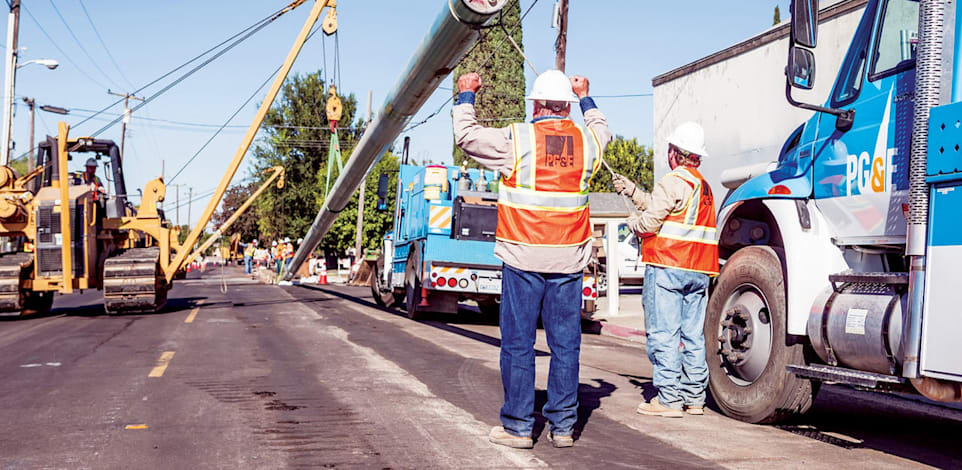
623,332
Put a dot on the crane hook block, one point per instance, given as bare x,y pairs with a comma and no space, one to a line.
333,106
330,22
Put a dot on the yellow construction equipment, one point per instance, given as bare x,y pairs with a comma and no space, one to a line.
74,236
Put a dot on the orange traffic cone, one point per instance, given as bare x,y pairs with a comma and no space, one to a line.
322,273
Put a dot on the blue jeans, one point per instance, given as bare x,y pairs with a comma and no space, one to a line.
674,302
248,264
556,298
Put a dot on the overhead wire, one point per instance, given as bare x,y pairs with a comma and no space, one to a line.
80,44
104,44
62,52
259,24
236,112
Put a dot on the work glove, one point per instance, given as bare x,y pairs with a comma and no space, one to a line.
623,185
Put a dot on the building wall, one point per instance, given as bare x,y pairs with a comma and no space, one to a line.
740,100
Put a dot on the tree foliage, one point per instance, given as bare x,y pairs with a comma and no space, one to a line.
501,98
246,224
778,16
297,136
629,158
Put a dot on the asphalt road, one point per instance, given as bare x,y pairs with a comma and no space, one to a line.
286,377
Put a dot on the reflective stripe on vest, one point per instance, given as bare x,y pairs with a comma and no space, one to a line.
688,238
544,202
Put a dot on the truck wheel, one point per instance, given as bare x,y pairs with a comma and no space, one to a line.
382,296
412,282
746,343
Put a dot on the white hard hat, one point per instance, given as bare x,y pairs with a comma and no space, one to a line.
274,243
552,85
91,162
300,240
287,240
690,137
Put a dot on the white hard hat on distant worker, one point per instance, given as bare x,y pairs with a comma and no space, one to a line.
690,137
552,85
91,162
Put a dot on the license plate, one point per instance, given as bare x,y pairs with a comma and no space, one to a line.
489,285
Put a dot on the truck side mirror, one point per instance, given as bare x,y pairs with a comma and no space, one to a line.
801,68
382,183
805,22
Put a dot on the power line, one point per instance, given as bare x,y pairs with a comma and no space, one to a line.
257,24
62,52
80,44
104,44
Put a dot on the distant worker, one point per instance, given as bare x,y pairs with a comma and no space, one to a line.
249,256
544,240
680,251
288,253
276,256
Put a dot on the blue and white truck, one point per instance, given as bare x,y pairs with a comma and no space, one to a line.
441,250
840,260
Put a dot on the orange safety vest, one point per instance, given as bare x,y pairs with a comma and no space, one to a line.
544,202
687,239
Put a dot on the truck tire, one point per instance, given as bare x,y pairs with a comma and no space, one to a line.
412,282
746,343
383,297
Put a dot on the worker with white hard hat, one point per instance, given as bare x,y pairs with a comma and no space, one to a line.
680,252
543,238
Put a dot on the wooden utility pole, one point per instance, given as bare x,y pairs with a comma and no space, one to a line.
359,235
13,44
561,44
190,199
31,104
123,126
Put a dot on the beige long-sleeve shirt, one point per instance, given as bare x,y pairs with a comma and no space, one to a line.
670,194
492,148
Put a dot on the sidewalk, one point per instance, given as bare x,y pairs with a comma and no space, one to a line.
629,322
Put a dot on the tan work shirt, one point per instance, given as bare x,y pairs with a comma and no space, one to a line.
491,147
669,195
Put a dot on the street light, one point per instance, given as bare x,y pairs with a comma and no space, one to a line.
49,63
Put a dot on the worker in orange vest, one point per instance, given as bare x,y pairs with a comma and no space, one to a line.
544,240
680,250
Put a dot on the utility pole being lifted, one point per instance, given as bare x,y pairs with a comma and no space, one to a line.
13,43
123,126
359,236
561,44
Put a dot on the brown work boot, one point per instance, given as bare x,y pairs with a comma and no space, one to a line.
565,440
695,410
653,408
501,437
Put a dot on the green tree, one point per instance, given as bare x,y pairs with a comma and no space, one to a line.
629,158
246,224
296,136
376,223
500,100
778,16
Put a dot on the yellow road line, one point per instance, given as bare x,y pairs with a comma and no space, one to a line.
193,314
162,363
135,426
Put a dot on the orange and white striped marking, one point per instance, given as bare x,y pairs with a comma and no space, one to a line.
440,217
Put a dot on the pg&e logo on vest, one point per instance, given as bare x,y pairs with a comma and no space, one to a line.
559,151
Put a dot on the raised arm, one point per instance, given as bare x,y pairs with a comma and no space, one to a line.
491,147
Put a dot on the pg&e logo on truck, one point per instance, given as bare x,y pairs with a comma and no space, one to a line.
865,174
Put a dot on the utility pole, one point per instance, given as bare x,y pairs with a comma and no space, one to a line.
13,33
31,104
359,235
123,126
190,199
561,44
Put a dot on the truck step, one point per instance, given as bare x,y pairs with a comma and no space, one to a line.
854,377
869,278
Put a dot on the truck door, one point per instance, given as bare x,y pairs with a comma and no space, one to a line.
861,175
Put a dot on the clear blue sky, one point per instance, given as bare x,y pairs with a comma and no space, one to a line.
618,44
